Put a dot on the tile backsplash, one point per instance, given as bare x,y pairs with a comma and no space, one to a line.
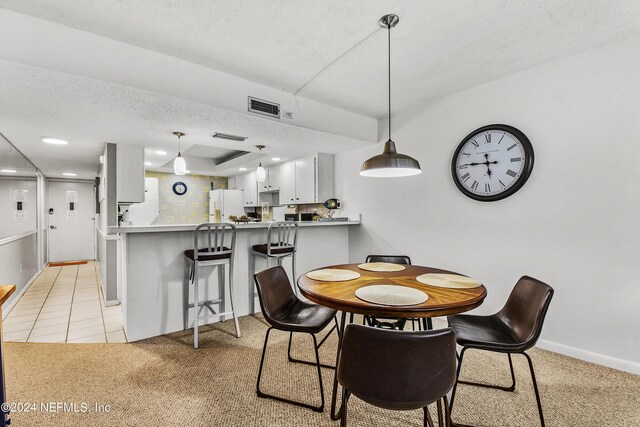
190,208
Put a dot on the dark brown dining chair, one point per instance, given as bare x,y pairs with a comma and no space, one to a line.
383,322
397,370
512,330
285,312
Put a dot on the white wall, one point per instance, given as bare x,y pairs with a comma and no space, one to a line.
573,225
9,225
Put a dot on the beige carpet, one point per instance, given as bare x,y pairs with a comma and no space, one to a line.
164,381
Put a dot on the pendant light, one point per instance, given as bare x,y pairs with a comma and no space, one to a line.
179,164
261,174
390,163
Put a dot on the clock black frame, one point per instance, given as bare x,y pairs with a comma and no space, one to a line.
526,172
175,188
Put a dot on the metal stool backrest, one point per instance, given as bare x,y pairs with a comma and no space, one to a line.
287,236
397,370
526,308
219,240
395,259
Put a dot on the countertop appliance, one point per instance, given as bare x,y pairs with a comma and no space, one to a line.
229,202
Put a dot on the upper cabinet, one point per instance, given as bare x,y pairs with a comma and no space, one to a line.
272,181
288,183
307,180
231,183
250,188
129,173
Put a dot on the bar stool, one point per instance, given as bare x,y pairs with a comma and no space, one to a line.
218,252
284,246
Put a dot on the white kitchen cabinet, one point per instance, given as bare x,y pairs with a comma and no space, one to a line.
264,186
250,189
306,180
288,183
129,173
272,181
231,183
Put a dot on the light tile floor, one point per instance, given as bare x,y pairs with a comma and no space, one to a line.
64,304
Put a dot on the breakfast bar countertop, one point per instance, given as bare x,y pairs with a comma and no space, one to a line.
190,227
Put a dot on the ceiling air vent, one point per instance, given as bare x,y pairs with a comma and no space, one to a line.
265,108
228,136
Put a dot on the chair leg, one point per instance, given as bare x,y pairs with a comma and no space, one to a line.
428,422
345,398
293,360
260,393
252,285
233,308
455,385
512,387
535,388
196,307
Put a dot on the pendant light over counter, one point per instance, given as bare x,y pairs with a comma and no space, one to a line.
261,174
179,164
390,163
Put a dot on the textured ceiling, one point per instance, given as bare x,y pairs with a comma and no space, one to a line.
87,112
438,48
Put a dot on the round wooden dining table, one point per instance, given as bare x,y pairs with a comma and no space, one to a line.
341,295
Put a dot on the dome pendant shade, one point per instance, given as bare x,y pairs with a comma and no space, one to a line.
261,174
179,165
390,164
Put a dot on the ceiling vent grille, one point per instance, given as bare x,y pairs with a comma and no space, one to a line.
265,108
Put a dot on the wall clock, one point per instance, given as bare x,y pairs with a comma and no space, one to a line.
180,188
492,162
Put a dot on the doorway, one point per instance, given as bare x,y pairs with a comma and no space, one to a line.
71,214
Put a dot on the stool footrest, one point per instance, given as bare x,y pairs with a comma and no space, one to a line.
208,316
201,303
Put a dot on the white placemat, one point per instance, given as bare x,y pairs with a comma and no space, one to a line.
448,281
381,266
391,295
333,275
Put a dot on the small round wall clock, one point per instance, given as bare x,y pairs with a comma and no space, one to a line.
492,163
180,188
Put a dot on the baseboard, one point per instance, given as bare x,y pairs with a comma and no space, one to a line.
6,310
588,356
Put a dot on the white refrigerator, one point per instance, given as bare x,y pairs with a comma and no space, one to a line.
230,202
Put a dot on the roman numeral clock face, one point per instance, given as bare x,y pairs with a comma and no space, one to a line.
492,163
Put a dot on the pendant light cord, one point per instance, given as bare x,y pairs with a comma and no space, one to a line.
389,85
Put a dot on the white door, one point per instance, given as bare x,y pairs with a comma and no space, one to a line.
287,183
306,180
71,221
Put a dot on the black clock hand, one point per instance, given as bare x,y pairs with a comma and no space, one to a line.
472,164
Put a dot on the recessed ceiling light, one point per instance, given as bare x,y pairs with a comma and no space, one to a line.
55,141
161,153
275,159
242,169
147,163
69,174
8,171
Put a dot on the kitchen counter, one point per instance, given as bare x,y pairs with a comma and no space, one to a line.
248,226
151,269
